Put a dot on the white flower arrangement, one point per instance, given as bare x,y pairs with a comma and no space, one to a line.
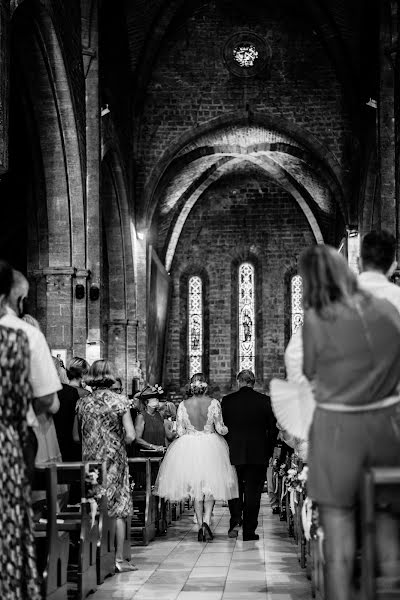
157,389
199,384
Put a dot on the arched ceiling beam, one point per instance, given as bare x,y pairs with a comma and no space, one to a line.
318,153
270,167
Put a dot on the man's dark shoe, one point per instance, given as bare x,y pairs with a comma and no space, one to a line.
275,510
249,537
233,531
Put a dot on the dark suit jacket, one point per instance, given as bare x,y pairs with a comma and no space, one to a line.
252,426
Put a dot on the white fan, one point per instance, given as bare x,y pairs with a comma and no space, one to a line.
293,405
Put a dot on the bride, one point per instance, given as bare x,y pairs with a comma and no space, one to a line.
197,464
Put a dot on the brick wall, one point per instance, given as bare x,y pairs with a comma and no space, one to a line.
191,85
241,217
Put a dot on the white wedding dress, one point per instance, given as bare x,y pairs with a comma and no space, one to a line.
197,463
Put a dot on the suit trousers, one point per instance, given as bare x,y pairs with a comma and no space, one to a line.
251,482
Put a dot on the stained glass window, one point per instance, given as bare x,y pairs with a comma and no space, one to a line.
297,302
246,317
195,325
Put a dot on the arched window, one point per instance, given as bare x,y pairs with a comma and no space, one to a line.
246,317
296,292
195,337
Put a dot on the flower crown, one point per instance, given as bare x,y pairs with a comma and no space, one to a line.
198,384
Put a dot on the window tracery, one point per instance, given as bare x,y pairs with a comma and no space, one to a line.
246,317
296,294
195,341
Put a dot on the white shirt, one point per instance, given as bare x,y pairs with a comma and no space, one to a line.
378,285
43,375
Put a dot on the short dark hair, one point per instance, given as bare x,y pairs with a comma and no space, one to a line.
247,377
6,278
77,367
378,250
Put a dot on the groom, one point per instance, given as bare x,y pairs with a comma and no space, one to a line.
251,439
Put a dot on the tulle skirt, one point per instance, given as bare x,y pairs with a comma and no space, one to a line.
196,466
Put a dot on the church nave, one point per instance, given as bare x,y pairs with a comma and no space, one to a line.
177,567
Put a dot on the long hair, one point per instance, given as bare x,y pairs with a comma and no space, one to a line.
327,280
102,374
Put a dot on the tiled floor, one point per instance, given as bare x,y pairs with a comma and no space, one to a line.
178,567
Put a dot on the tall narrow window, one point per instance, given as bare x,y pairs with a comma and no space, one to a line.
246,317
297,302
195,325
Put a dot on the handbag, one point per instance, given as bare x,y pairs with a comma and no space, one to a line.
293,405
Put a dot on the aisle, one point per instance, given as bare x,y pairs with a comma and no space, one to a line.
178,567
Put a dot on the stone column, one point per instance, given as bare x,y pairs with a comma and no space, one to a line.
89,21
65,312
4,83
386,115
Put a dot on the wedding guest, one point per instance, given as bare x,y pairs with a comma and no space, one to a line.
106,426
351,343
19,579
77,368
167,411
42,374
150,430
377,264
65,417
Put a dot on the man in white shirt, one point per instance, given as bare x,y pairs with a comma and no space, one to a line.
43,375
378,263
44,378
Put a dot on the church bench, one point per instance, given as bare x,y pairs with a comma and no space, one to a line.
143,523
88,525
373,478
160,503
52,544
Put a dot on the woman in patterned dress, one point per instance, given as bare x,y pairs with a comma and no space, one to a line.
18,574
106,426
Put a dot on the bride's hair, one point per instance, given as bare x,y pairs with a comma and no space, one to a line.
198,384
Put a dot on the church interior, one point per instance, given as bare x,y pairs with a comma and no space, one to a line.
163,163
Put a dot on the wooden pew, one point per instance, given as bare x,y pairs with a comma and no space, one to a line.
373,478
78,521
143,527
54,543
317,565
160,503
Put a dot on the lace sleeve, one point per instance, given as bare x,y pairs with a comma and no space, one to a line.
218,420
180,425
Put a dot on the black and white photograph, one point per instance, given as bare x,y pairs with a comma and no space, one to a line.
199,300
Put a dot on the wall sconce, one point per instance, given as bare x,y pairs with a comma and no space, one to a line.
105,110
372,103
141,235
79,291
94,292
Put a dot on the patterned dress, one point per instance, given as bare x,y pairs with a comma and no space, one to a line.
18,574
100,417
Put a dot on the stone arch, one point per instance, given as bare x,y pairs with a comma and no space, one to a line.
214,176
58,261
323,157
